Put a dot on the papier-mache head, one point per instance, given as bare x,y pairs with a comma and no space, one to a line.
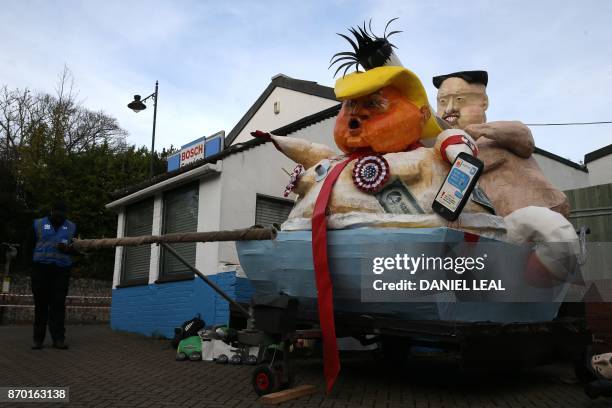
385,108
462,98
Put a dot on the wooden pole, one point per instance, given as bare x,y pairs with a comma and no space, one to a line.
246,234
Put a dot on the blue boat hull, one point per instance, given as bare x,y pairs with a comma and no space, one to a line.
285,265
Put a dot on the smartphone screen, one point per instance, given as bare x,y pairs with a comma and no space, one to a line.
457,187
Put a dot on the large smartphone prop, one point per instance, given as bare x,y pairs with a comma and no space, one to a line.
457,187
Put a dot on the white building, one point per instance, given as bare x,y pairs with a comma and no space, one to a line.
599,163
239,187
284,101
562,173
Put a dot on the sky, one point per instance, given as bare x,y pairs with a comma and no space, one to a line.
548,61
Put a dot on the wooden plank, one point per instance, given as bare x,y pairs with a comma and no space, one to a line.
276,398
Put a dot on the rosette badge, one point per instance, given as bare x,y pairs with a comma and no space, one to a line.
371,173
294,177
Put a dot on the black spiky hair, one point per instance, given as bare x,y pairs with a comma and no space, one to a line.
472,77
370,51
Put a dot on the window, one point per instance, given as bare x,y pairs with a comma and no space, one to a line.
180,215
138,221
270,210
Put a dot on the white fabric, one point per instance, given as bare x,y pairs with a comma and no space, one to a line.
558,245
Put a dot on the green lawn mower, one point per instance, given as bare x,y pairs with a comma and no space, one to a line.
189,348
187,341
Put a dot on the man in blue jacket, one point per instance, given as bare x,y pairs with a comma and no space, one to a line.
52,260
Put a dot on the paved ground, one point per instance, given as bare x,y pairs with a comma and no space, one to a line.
109,369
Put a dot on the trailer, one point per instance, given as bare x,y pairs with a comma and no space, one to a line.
283,310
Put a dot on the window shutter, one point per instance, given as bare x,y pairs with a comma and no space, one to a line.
269,210
136,260
180,215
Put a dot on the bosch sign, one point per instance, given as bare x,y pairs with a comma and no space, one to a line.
201,148
192,153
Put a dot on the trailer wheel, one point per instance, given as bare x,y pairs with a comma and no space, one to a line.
264,380
284,380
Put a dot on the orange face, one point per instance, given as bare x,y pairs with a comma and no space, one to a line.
384,121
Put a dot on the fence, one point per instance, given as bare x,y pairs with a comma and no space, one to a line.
88,301
592,207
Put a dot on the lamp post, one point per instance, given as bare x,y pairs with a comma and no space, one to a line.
138,105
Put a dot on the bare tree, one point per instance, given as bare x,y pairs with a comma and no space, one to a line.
17,115
52,123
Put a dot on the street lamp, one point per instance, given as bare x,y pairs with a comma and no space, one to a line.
138,105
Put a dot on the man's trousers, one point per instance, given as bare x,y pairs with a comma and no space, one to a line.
49,287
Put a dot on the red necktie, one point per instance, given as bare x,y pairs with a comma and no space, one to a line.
331,361
325,300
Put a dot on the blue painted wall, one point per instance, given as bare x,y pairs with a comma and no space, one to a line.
155,310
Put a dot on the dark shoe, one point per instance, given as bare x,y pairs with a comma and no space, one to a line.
37,345
60,345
